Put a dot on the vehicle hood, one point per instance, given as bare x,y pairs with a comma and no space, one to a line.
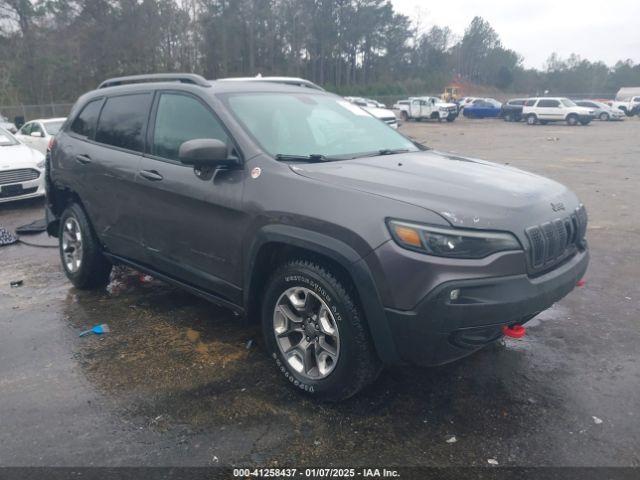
468,193
380,112
19,156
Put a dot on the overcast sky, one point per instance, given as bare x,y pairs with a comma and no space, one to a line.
596,30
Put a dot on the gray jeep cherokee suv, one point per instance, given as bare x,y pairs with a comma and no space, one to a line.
352,245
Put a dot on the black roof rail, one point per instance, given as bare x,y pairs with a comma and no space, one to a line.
157,77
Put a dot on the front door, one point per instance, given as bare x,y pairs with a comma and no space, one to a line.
191,221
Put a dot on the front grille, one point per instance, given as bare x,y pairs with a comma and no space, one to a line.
18,176
554,241
17,192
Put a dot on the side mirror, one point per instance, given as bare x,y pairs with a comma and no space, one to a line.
205,152
37,134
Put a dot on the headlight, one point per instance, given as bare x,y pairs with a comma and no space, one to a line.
452,243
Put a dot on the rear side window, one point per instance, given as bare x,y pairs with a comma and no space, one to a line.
26,129
85,123
181,118
123,121
516,102
549,103
530,103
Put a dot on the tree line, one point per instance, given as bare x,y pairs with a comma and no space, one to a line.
53,50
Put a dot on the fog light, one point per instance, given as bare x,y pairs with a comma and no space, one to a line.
454,294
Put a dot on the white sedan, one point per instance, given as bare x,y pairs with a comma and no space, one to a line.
21,169
37,133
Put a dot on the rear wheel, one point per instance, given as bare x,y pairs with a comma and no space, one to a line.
405,116
80,251
604,116
572,120
316,333
532,119
585,122
508,117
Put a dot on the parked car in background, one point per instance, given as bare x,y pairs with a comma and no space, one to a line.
21,169
627,106
628,100
483,108
6,124
464,101
601,110
556,109
424,108
37,133
384,114
512,110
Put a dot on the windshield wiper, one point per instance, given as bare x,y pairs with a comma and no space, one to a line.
314,157
382,152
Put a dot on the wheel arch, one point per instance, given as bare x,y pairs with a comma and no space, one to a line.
58,199
274,244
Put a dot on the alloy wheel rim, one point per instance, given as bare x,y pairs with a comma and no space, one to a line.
306,333
72,245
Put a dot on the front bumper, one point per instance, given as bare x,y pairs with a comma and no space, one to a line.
440,330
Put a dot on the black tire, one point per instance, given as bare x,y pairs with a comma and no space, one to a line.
94,269
584,123
532,119
604,116
507,117
357,364
572,120
451,119
405,116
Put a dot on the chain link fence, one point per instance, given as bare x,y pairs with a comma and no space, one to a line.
23,113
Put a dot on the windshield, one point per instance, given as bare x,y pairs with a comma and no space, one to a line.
568,103
53,127
6,139
310,124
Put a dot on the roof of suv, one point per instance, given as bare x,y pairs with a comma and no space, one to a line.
249,84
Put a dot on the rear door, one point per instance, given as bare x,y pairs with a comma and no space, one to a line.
550,109
191,220
111,164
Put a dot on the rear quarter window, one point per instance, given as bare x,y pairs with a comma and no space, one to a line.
123,121
85,123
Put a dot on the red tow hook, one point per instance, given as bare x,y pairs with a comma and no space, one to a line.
581,283
517,331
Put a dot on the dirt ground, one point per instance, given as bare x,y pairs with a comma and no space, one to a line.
181,382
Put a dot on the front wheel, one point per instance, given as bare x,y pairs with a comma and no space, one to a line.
80,251
532,119
604,116
316,333
507,117
405,116
572,120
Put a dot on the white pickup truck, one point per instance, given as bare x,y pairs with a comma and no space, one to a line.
421,108
627,106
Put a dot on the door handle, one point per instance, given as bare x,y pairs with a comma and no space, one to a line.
83,159
151,175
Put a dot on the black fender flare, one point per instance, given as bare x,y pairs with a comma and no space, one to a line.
348,258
